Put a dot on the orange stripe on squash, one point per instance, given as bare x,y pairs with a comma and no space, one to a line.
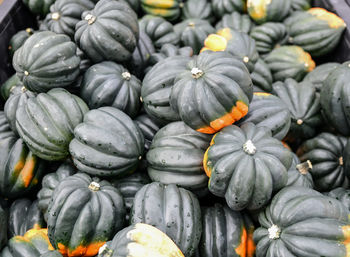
242,247
214,43
261,94
27,172
333,20
88,251
250,243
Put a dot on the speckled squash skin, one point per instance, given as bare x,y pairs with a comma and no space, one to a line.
292,225
262,11
299,173
236,21
342,195
96,202
39,7
221,7
173,210
148,127
168,9
198,9
18,39
261,77
318,76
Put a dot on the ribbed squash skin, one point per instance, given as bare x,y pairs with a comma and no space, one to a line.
109,32
157,85
110,84
18,39
3,227
140,240
168,9
246,178
148,127
214,91
235,21
159,30
107,143
326,153
299,175
46,122
46,60
23,216
305,224
77,200
289,62
50,182
335,99
193,32
342,195
39,7
267,110
173,210
299,5
10,84
268,36
176,156
65,14
197,9
317,31
262,11
5,129
226,233
261,77
221,7
320,74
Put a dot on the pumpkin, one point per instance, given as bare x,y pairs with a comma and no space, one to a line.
109,32
246,165
23,216
140,240
261,77
197,9
107,143
46,60
227,233
3,227
335,99
65,14
327,157
110,84
298,222
342,195
262,11
289,62
193,32
235,21
267,110
46,122
317,31
176,156
299,173
168,9
18,39
269,36
212,92
10,84
148,128
157,85
173,210
50,182
39,7
82,200
304,106
159,30
221,7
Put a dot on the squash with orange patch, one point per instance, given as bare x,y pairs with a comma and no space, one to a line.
262,11
221,7
168,9
212,92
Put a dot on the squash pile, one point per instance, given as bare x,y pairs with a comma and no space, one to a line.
169,128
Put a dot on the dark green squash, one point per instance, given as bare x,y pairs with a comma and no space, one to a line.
23,216
302,222
107,143
85,63
173,210
10,84
5,130
342,195
212,92
262,11
110,84
327,157
109,32
235,21
299,173
3,227
226,233
317,31
197,9
134,4
221,7
18,39
46,122
300,5
246,165
82,200
39,7
148,127
261,77
168,9
267,110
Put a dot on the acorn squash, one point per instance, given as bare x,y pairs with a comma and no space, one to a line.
39,7
18,39
197,9
300,5
262,11
221,7
148,128
342,195
168,9
261,77
235,21
299,173
9,86
320,73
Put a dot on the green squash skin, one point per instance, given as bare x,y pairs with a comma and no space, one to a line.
5,130
134,4
9,85
156,88
110,84
342,195
176,156
327,156
50,182
23,216
197,9
224,82
296,177
193,32
153,204
107,143
313,34
39,7
51,254
300,5
74,202
170,13
269,111
3,226
18,39
261,77
159,30
85,63
269,36
276,10
46,122
335,99
148,127
39,62
69,12
307,226
246,181
236,21
111,34
222,7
